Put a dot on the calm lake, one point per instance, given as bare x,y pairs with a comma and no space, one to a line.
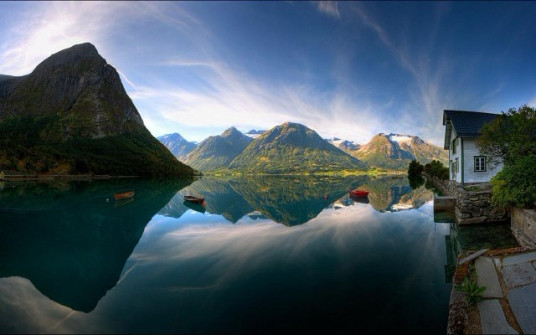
266,254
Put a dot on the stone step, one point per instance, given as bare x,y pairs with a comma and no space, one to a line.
487,276
492,318
513,260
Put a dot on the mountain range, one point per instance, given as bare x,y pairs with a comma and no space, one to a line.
394,151
72,115
292,148
218,152
178,146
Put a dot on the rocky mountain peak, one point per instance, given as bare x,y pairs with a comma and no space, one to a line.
74,55
77,85
232,131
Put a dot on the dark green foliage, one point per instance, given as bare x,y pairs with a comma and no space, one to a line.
515,184
511,138
415,182
415,174
436,169
473,292
30,145
415,169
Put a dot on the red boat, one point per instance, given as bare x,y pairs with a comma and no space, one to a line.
359,193
196,200
124,195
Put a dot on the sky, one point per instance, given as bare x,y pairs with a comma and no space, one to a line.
345,69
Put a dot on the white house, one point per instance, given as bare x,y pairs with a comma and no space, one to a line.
467,164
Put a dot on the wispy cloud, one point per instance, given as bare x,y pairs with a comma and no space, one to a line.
48,27
427,92
231,97
330,8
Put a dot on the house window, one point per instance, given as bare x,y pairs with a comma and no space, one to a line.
454,146
480,164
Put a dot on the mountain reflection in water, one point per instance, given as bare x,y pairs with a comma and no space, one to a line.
68,238
73,262
294,200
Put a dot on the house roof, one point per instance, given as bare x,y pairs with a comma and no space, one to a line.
465,123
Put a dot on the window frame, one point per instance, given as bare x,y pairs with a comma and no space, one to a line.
483,165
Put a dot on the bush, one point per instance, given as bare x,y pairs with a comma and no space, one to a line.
437,169
515,184
511,139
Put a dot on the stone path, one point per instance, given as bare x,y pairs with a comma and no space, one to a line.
513,280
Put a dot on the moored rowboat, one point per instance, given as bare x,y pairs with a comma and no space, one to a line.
193,199
358,193
123,195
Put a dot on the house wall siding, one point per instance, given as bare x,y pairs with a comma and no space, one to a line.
470,150
453,156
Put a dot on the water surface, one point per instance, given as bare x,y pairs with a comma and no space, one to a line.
266,254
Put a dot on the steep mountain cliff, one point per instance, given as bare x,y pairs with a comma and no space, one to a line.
72,115
395,151
292,147
217,152
178,146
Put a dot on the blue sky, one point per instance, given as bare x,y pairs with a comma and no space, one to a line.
345,69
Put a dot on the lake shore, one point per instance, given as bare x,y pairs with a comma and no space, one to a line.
37,177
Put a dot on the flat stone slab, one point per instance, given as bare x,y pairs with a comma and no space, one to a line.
472,256
523,303
487,276
519,274
492,318
518,259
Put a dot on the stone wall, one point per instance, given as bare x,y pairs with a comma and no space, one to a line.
473,202
524,226
473,205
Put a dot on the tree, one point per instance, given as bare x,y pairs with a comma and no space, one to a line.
415,169
511,139
510,136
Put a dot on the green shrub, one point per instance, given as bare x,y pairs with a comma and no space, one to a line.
515,184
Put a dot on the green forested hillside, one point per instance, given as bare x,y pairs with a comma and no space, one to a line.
293,148
217,152
71,115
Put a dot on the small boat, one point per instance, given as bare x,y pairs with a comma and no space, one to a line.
193,199
123,195
358,193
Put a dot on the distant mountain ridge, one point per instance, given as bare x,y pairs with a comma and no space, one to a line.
72,115
177,144
290,148
394,151
344,145
216,152
294,148
253,133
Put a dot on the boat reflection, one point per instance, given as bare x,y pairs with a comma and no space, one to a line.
294,200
